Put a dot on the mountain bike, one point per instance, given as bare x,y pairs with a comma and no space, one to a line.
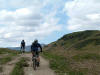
35,62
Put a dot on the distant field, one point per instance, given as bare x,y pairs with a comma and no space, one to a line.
8,51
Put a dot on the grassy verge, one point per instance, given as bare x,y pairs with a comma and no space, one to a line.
19,67
82,63
0,69
8,51
86,56
6,59
7,55
61,65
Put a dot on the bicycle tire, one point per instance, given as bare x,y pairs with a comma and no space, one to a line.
34,64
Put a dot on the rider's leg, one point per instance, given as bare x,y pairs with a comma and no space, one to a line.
32,53
23,48
38,58
38,62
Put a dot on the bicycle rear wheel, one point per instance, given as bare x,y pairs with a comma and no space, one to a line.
38,64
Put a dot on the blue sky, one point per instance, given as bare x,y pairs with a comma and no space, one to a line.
45,20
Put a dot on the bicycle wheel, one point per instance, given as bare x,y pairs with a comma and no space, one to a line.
34,64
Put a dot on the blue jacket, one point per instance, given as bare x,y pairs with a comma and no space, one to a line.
35,46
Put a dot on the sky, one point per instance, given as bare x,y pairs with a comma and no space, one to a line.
45,20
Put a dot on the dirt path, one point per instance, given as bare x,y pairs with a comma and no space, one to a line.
7,68
42,70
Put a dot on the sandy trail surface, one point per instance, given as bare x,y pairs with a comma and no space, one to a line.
7,68
42,70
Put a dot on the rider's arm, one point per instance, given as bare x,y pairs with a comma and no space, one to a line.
40,47
24,44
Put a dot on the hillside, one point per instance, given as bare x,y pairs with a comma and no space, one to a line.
78,40
79,52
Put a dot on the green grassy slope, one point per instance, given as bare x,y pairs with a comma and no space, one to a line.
77,53
78,40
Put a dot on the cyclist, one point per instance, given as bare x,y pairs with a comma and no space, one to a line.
23,46
35,48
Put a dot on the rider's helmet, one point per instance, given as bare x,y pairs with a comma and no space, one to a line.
35,41
23,40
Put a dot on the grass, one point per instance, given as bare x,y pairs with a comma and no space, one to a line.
77,53
19,67
86,56
84,43
61,65
8,51
0,69
74,65
71,38
6,59
7,55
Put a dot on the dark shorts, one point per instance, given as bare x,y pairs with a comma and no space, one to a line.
22,46
37,53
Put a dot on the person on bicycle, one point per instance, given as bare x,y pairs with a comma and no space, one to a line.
35,48
23,46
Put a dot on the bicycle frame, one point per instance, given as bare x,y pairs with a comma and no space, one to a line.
34,59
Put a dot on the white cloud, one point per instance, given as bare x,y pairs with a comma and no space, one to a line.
83,14
7,35
28,22
93,16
